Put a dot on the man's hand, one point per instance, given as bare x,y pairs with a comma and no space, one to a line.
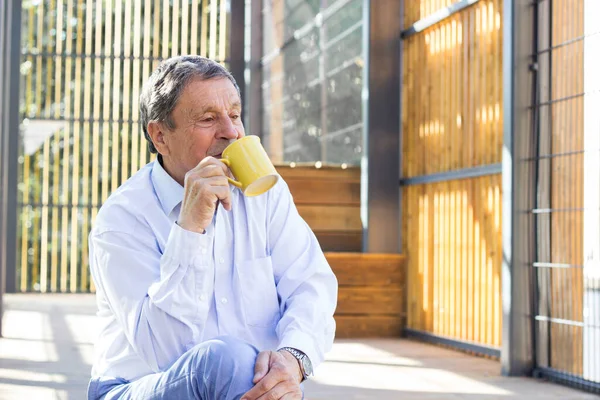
204,187
277,376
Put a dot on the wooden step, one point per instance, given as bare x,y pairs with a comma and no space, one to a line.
371,294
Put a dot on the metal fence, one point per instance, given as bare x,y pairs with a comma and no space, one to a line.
83,63
565,132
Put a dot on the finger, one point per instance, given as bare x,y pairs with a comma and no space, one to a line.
296,395
207,171
279,391
263,386
213,161
262,365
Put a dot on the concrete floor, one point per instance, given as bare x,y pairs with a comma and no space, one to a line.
47,349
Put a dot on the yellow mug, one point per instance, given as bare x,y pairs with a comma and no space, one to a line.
250,165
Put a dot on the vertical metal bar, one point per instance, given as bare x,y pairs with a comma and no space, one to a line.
255,98
516,351
10,58
380,199
535,132
591,144
402,49
236,47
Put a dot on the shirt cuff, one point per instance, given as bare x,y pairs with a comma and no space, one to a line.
303,342
189,248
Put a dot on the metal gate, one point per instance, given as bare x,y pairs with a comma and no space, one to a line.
565,148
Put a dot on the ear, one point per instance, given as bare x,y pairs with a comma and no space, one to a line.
156,130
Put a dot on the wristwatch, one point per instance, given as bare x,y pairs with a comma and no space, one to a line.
305,365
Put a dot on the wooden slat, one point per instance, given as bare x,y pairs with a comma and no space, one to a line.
175,23
366,269
44,234
38,60
212,50
155,37
145,76
127,167
223,31
368,326
135,92
324,192
370,301
351,174
74,261
107,129
334,218
204,29
350,241
66,159
165,25
26,215
50,61
194,28
116,96
185,6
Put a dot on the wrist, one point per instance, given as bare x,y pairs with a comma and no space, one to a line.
191,228
293,360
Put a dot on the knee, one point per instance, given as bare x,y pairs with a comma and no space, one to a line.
231,352
226,365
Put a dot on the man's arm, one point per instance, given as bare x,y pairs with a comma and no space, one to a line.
305,282
157,299
307,290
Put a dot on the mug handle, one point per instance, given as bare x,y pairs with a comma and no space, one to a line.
233,182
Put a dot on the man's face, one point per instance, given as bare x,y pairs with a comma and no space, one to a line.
207,119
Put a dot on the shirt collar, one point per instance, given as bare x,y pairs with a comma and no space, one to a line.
170,193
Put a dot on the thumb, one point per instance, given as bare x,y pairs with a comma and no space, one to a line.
262,366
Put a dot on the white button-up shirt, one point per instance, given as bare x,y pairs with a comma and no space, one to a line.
257,273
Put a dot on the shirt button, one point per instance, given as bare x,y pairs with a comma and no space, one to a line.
202,297
224,300
222,261
203,251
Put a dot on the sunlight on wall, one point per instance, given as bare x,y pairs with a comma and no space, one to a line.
448,35
431,128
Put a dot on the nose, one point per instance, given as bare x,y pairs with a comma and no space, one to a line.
227,129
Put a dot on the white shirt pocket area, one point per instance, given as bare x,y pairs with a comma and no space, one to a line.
259,292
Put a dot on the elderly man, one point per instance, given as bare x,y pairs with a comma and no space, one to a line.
204,293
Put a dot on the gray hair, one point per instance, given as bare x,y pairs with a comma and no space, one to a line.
164,87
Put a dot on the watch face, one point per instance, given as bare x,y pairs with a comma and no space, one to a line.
307,366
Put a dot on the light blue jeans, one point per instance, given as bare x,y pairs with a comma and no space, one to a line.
218,369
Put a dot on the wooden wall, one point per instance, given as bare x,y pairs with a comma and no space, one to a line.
452,119
328,198
453,244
